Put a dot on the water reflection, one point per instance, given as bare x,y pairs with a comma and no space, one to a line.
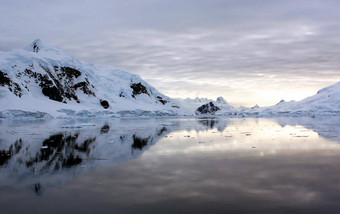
47,162
212,165
220,125
6,155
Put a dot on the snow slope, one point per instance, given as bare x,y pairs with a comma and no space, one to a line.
43,81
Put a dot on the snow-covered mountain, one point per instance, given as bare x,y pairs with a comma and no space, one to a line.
44,81
219,107
194,104
325,102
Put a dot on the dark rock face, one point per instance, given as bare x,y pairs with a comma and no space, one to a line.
138,88
4,80
160,99
35,48
12,86
105,104
70,72
47,87
209,108
58,85
53,93
281,101
84,86
65,82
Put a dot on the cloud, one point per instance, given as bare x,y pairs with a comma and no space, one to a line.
243,50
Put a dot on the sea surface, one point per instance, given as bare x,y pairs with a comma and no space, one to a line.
240,165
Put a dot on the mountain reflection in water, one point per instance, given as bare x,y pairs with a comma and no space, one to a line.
282,165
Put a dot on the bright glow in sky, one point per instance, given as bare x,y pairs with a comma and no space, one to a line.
246,51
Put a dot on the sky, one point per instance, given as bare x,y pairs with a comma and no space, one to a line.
248,51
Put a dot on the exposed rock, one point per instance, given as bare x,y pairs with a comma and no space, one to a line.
4,80
209,108
84,86
35,48
58,86
138,88
70,72
12,86
53,93
160,99
281,101
105,104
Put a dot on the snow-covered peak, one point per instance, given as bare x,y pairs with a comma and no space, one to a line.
198,100
255,106
281,102
220,107
40,46
221,100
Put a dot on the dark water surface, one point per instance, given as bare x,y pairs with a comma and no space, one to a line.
171,166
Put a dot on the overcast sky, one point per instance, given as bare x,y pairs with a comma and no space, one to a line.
248,51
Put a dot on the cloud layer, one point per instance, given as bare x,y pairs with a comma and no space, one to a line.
247,51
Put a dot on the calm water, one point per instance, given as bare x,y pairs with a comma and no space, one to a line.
171,166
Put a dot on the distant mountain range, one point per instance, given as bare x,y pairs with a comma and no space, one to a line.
325,102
